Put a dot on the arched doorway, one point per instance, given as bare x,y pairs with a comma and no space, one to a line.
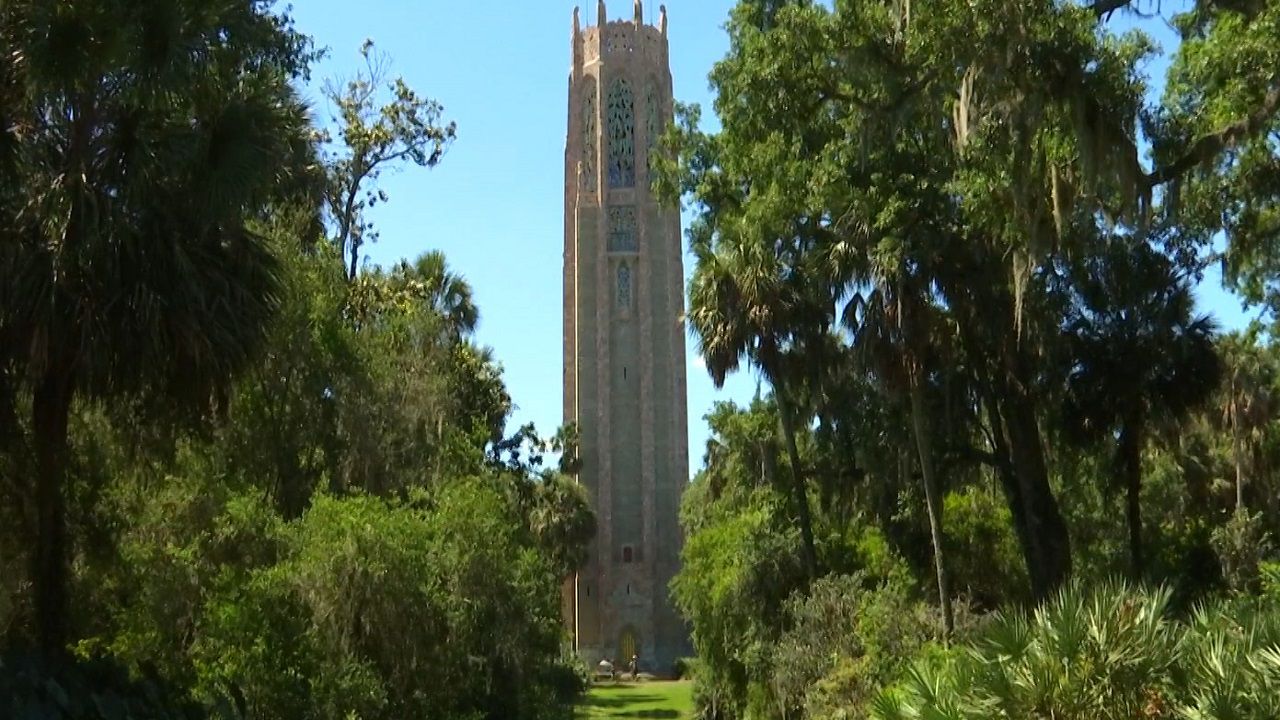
628,646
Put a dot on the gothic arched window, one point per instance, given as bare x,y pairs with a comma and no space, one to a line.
621,128
589,153
624,286
653,117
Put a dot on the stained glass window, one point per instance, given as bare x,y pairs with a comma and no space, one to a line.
622,229
624,285
621,127
589,153
653,115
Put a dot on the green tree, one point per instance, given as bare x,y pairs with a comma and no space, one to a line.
441,289
819,154
149,134
1139,358
975,144
1247,402
740,305
737,570
562,522
375,138
894,327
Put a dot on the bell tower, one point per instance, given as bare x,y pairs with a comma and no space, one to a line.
624,349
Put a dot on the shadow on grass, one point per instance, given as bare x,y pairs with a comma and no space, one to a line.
669,714
621,697
621,702
620,685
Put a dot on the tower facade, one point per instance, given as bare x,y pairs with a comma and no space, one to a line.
624,351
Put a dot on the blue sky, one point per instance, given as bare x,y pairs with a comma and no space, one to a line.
495,204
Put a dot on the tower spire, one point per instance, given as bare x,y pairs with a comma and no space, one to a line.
639,10
576,25
602,15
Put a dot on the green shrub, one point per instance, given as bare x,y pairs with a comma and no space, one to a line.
1242,544
98,689
1115,653
740,566
1270,573
567,679
848,639
380,610
982,552
1229,661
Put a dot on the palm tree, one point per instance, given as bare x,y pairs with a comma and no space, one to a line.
561,520
1247,400
130,261
426,285
1139,356
741,306
890,325
447,292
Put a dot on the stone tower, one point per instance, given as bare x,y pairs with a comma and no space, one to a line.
624,352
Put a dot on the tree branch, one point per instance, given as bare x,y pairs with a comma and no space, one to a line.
970,455
1206,147
1106,7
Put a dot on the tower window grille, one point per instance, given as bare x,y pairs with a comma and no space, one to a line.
624,286
622,229
621,129
589,152
653,121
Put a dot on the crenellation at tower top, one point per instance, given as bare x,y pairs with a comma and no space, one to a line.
594,42
638,12
637,20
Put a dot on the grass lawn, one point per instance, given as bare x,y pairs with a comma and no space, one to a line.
673,700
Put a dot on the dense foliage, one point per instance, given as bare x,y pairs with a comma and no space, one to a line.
248,476
959,241
1131,660
245,474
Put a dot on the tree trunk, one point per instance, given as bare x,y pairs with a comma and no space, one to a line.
347,219
933,498
51,406
1020,467
8,413
1129,464
1237,450
797,479
990,333
355,259
1020,462
1009,483
1046,528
